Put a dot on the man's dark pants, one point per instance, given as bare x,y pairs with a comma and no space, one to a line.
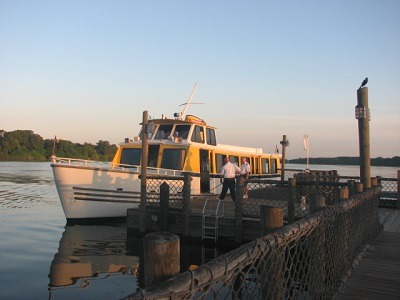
229,183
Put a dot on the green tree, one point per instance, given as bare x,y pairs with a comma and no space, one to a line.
105,150
21,145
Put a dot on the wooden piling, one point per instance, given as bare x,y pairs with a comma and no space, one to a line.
292,200
143,173
164,206
344,193
161,257
271,218
364,141
359,187
374,182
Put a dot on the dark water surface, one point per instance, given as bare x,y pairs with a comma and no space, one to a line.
42,258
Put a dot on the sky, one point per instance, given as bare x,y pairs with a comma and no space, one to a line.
86,70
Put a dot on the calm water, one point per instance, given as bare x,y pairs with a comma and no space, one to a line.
42,258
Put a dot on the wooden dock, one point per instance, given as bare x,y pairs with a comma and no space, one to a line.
251,225
377,275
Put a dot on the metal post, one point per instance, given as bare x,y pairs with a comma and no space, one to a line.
143,174
238,235
292,200
398,189
186,211
284,143
364,142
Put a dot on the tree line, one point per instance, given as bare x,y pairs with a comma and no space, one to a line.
348,160
25,145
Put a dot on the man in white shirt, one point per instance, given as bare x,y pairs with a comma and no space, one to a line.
228,173
245,172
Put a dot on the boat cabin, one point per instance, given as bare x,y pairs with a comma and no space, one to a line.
190,145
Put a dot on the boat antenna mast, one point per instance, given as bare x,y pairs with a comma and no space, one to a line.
182,115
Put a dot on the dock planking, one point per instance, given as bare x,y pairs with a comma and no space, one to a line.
377,276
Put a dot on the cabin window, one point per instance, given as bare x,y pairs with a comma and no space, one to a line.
234,159
198,134
182,131
163,132
153,156
255,166
173,159
219,161
131,156
264,166
274,166
149,135
211,140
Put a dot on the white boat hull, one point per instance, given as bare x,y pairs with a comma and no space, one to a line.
100,192
87,192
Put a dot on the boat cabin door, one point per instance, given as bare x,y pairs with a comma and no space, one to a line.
204,171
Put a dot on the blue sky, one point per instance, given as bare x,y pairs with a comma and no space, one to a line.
86,70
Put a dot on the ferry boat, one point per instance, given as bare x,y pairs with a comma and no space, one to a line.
184,143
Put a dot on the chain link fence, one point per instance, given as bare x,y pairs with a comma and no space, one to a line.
276,193
389,186
310,258
389,193
265,192
175,192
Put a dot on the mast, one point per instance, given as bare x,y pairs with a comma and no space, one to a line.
183,113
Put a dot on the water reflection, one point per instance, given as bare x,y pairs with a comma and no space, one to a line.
102,261
90,257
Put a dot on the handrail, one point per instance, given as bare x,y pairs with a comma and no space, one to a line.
112,166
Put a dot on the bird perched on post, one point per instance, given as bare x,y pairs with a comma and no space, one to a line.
365,81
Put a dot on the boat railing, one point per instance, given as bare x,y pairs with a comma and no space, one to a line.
113,166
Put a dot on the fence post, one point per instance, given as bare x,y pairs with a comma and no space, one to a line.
351,185
239,210
164,206
161,257
344,193
284,143
187,179
271,218
317,202
374,182
359,187
292,200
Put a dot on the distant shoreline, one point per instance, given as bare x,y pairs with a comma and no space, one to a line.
347,161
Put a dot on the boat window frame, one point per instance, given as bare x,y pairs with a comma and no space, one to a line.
182,158
198,135
211,138
274,165
166,134
186,134
128,162
265,170
219,161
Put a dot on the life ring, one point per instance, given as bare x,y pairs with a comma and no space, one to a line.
195,120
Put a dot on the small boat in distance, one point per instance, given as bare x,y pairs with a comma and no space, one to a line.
186,143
